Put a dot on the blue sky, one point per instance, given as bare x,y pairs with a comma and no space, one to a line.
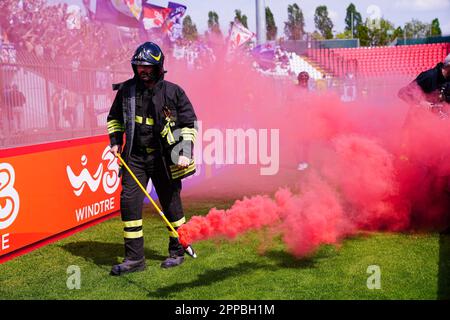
397,11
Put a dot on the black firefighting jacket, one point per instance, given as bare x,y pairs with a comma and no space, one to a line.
174,120
426,86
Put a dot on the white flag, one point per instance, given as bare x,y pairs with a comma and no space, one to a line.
240,35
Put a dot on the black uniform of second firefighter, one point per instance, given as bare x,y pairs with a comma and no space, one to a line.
159,123
425,89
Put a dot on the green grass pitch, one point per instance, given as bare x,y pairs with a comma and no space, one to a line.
412,266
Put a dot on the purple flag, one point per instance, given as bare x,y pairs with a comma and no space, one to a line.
173,24
107,11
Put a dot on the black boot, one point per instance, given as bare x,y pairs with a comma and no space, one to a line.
172,261
176,254
128,266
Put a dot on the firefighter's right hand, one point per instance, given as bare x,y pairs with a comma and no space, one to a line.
115,150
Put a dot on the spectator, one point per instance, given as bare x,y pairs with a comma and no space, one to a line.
56,108
15,101
69,102
303,80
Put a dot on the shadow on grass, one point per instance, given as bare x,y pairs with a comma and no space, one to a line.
104,253
283,259
444,267
209,277
286,260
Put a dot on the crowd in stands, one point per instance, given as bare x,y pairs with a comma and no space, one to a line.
40,29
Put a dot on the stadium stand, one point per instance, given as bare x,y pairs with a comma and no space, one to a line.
299,64
379,61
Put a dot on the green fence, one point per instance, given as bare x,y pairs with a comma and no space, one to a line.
411,41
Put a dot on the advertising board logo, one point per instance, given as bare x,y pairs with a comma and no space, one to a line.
9,198
107,176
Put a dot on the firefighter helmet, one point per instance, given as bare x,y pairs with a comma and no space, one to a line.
149,54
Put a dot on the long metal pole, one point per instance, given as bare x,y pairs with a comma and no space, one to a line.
352,25
260,21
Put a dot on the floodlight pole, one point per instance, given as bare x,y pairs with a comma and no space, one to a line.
352,25
260,21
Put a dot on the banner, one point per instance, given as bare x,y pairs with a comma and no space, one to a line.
135,7
51,188
173,26
8,53
239,35
118,12
154,16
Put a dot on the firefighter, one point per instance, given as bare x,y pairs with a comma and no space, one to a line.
159,123
423,94
429,91
425,89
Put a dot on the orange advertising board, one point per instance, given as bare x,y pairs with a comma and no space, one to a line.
51,188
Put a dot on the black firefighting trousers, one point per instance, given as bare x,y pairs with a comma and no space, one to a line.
145,167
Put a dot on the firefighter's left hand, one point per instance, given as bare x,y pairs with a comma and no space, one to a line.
183,162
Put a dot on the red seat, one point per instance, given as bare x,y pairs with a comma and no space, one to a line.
408,59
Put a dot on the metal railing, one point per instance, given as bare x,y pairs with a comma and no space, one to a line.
332,62
321,52
42,102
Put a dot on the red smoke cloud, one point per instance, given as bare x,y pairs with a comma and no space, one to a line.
373,164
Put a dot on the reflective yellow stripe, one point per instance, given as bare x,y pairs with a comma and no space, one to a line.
115,126
133,223
189,131
149,150
182,172
113,122
188,137
115,130
133,234
165,130
170,137
148,121
189,134
173,234
175,176
178,223
174,168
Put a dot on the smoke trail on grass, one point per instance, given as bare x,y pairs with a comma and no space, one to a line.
355,190
369,169
358,189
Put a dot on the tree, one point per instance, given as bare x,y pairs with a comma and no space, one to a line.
362,33
435,28
380,36
352,14
316,35
323,22
271,27
417,29
294,28
344,35
189,29
398,33
213,23
238,16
